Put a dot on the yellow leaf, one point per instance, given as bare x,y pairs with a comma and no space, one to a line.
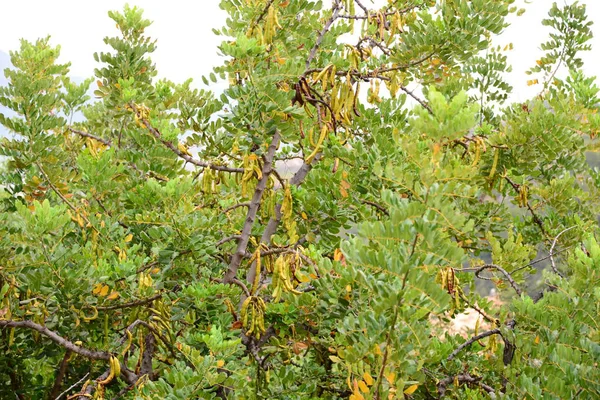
363,387
368,378
112,296
537,340
97,288
411,389
335,359
304,216
343,192
183,148
103,291
128,238
337,255
377,350
220,363
348,288
391,377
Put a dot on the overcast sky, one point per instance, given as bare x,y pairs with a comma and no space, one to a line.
187,47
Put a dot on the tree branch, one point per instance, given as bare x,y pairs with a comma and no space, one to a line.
335,12
93,354
267,168
503,271
131,304
227,239
377,206
60,375
273,223
473,340
536,219
72,386
551,255
203,164
461,378
233,207
415,97
89,135
88,388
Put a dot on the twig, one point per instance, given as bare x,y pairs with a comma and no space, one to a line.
473,340
93,354
551,255
461,378
72,386
89,135
420,101
503,271
64,199
203,164
253,345
410,64
131,304
243,286
362,6
264,12
146,267
233,207
87,390
158,335
377,206
227,239
388,340
536,219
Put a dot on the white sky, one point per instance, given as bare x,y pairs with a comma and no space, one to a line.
187,47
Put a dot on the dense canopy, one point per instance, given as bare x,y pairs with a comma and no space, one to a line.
312,231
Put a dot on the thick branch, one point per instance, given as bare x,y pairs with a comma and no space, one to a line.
335,8
60,375
253,345
267,168
273,223
93,354
148,355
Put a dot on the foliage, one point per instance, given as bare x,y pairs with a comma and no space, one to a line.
299,236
